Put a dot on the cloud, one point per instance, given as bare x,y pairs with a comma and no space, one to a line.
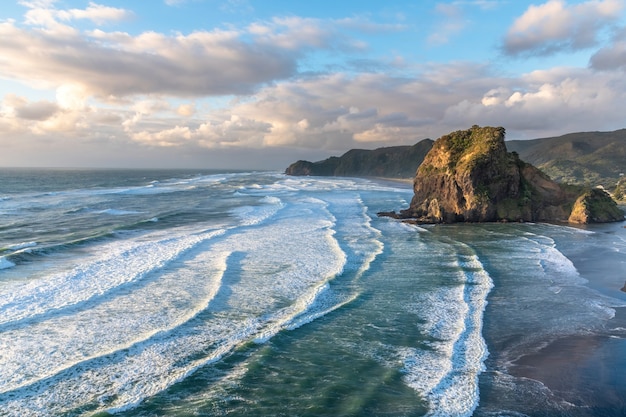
186,110
96,13
336,112
43,13
612,56
21,108
117,64
555,27
41,110
364,25
483,4
48,54
548,102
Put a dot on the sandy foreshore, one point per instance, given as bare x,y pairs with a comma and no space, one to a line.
586,371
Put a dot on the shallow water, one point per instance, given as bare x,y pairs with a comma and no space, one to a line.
218,293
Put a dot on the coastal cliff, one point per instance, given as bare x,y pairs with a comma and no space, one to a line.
469,176
392,162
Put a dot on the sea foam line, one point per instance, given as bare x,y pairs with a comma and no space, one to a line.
121,266
447,376
359,252
43,374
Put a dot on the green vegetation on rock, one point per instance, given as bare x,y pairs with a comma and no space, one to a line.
468,176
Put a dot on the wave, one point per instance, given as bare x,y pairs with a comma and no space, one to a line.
255,299
18,246
122,263
447,374
254,215
117,212
99,327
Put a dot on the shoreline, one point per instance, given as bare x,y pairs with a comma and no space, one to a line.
392,179
584,370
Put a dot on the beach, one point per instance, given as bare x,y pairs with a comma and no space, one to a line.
576,374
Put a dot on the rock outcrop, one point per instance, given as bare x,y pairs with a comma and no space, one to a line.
595,206
392,162
469,176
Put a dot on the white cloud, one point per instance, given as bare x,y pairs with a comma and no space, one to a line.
556,26
118,64
186,110
550,102
96,13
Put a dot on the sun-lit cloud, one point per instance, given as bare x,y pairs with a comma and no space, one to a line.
201,63
547,99
198,64
186,110
556,26
97,13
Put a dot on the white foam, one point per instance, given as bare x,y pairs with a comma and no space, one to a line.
447,375
117,212
120,263
23,245
60,343
281,268
254,215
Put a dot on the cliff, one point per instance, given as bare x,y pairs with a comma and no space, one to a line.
469,176
392,162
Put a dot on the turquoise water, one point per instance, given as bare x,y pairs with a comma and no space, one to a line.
180,293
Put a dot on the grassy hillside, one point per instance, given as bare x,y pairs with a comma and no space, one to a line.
392,162
590,158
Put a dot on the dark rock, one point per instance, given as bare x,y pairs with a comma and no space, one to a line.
468,176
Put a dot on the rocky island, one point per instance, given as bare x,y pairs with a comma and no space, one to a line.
469,176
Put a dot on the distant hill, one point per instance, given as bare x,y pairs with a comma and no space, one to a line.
392,162
591,158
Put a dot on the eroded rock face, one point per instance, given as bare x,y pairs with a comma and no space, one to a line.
595,206
468,176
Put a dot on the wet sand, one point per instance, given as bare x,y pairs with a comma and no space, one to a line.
588,371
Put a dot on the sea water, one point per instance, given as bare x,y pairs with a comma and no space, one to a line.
180,293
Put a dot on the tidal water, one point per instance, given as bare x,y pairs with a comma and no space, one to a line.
208,293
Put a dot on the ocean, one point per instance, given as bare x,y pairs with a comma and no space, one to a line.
213,293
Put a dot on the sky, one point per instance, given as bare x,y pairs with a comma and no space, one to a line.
258,84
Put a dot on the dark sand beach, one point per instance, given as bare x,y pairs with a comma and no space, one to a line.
586,371
583,370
